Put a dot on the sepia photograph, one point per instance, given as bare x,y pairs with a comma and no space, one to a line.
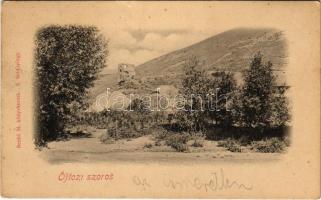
148,97
160,99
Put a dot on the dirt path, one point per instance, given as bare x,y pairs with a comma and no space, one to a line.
90,149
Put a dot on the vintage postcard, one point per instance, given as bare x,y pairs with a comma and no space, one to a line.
158,99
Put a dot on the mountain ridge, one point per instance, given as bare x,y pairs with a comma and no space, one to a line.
230,50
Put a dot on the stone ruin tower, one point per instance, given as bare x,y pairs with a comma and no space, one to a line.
126,72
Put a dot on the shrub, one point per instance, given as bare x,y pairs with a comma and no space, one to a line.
287,141
244,140
158,143
272,145
178,142
230,145
106,139
148,145
162,135
177,138
197,143
181,147
120,133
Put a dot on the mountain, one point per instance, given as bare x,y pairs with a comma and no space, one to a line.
230,50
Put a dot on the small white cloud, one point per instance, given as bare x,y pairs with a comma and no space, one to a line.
151,41
170,42
122,39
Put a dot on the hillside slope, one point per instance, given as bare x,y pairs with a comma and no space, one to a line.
230,50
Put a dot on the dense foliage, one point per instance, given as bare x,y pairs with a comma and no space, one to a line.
257,93
68,59
225,88
259,103
194,92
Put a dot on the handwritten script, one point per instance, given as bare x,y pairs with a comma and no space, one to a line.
216,181
141,182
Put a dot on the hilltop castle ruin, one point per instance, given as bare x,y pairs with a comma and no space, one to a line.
126,72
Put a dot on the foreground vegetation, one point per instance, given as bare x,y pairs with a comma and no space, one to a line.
256,120
129,125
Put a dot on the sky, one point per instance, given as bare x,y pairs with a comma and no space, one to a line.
140,31
138,46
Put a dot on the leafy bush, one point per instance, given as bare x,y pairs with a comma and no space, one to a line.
114,133
178,142
106,139
121,133
197,143
148,145
177,138
158,143
161,135
272,145
230,145
181,147
244,140
287,141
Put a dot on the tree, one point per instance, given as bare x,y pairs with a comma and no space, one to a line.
68,59
224,87
194,90
257,93
280,108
